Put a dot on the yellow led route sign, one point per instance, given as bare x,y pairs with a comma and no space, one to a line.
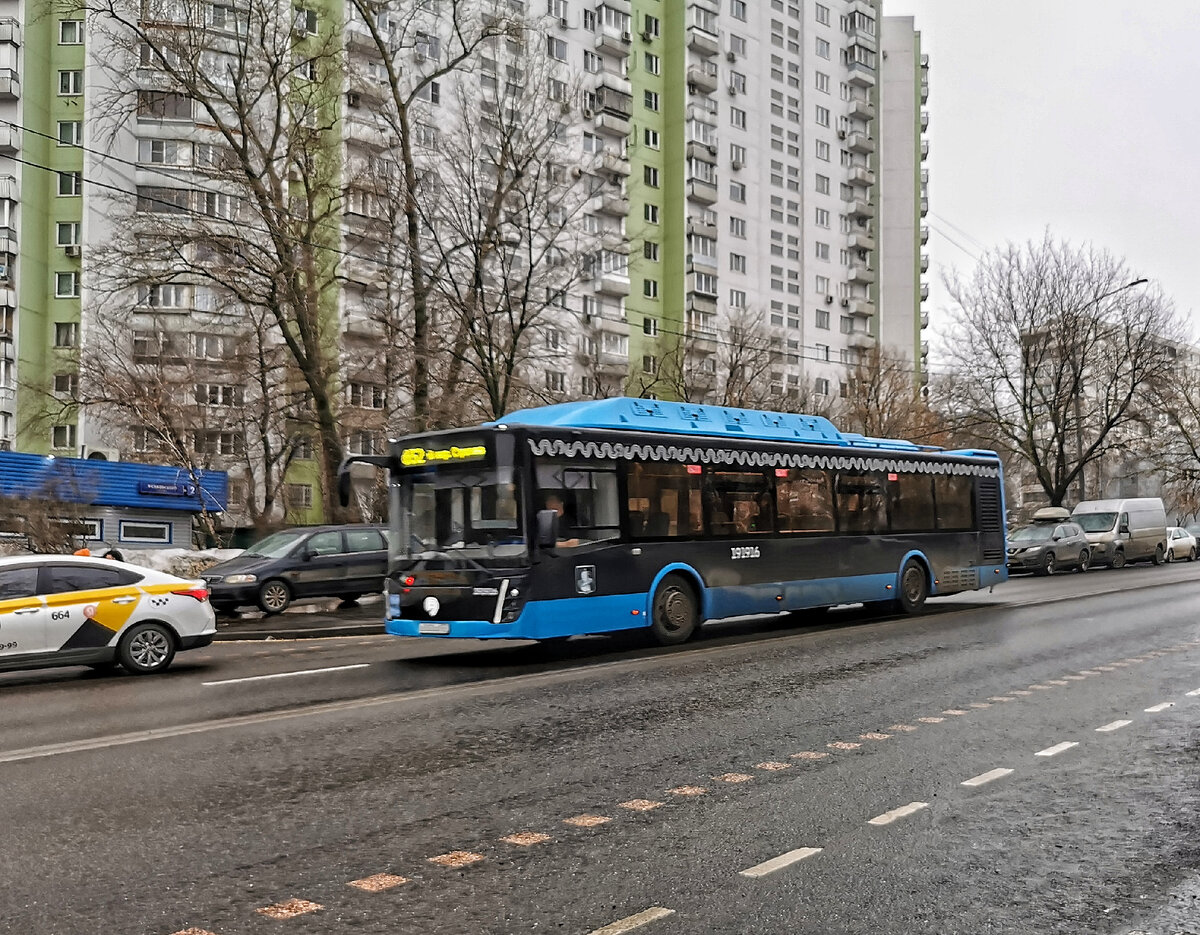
415,457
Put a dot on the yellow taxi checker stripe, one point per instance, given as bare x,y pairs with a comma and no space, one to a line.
97,605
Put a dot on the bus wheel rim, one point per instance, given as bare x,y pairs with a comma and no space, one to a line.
913,584
676,610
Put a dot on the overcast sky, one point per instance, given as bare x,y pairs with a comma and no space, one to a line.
1076,115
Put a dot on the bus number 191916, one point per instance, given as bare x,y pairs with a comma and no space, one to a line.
744,551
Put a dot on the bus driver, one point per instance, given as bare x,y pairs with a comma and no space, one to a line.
567,539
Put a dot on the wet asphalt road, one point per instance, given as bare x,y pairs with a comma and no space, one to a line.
194,800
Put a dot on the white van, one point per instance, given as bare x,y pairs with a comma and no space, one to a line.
1123,531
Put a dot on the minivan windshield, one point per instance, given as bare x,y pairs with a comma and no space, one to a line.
1096,522
1032,534
277,544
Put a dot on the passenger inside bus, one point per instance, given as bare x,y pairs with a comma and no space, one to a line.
566,528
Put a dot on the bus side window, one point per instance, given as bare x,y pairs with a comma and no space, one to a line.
664,501
860,503
953,495
910,501
804,500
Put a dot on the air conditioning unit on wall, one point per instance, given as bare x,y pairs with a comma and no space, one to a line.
103,454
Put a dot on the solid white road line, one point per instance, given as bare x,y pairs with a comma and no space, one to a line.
1115,725
634,921
984,778
287,675
778,863
896,813
1160,707
1057,748
1194,694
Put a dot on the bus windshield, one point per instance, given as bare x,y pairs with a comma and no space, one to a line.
1096,522
466,511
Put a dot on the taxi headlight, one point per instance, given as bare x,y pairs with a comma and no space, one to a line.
240,579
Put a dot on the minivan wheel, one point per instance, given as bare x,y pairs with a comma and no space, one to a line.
1118,559
1159,553
274,596
146,648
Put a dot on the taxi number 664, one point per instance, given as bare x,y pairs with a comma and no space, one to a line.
744,551
60,615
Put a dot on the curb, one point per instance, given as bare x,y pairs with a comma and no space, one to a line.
231,634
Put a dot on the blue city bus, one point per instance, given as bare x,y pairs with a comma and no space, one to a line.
605,515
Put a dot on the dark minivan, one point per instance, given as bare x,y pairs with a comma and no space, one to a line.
308,561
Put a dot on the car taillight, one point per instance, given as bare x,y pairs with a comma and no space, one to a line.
200,594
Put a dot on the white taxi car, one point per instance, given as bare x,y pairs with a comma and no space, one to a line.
68,610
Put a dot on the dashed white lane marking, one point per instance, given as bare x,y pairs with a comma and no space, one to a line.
629,923
1057,748
1160,707
778,863
287,675
984,778
1194,694
1114,725
897,813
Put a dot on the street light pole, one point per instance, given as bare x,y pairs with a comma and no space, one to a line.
1079,391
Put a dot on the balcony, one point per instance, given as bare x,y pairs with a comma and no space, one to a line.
924,91
10,85
612,125
924,291
699,303
860,209
698,225
861,76
701,341
924,234
10,31
614,283
614,204
924,150
860,341
613,42
862,275
924,349
924,120
702,42
862,240
8,188
924,206
610,364
861,175
703,192
860,143
702,78
362,128
702,152
8,241
862,110
924,319
859,308
924,262
623,7
615,163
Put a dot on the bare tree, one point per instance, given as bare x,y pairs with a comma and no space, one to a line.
1053,345
883,401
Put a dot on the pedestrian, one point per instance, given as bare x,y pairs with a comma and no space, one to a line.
114,555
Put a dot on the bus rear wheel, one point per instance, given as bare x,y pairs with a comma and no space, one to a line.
674,616
914,587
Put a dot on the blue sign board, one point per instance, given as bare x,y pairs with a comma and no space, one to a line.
166,490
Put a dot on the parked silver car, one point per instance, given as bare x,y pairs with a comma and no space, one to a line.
1181,545
1050,542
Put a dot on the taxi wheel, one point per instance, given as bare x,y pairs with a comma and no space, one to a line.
274,596
146,648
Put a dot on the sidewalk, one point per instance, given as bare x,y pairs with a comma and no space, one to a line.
306,620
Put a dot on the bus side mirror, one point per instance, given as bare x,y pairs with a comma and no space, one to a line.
343,483
547,528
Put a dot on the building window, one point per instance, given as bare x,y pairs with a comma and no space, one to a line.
822,251
822,150
557,48
737,9
592,63
70,83
299,496
737,45
737,227
822,217
219,394
651,25
70,133
62,436
822,82
70,32
142,531
67,233
556,381
650,251
650,137
737,82
66,285
822,319
822,116
737,192
650,213
822,47
650,288
364,442
650,99
65,384
650,176
821,386
822,283
737,117
650,327
737,298
653,63
367,395
649,363
163,105
70,183
822,184
737,263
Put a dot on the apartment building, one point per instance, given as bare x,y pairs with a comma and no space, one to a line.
755,162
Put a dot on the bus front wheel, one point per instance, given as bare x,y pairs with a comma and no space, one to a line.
674,615
914,587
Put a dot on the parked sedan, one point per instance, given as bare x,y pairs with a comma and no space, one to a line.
1043,548
1181,545
308,561
70,610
